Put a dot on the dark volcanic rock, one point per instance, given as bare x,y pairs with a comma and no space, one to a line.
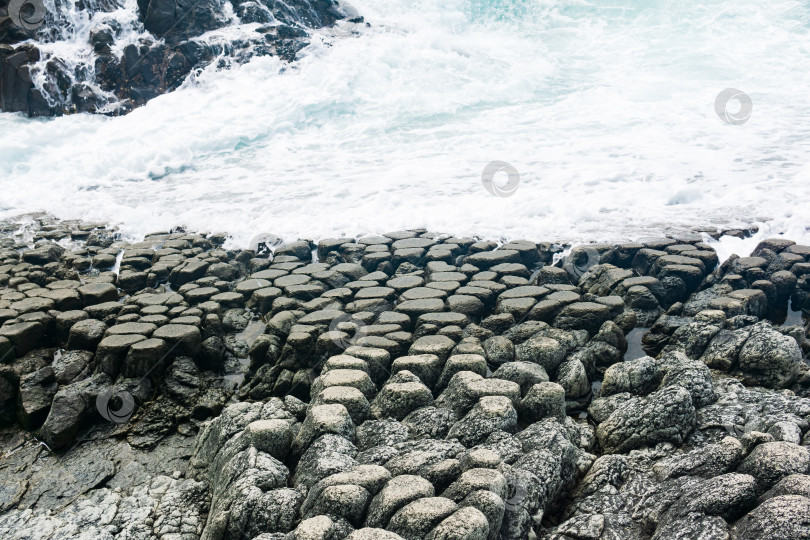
166,53
236,394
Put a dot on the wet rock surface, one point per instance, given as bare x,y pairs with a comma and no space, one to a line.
404,386
119,55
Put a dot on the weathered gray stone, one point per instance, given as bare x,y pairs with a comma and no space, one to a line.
779,518
499,350
71,365
398,492
414,308
371,533
323,419
639,377
354,378
490,414
415,520
36,392
727,496
112,351
72,408
770,462
316,528
97,293
573,377
182,339
582,316
403,393
525,374
384,432
769,358
794,484
545,351
694,526
724,348
461,362
436,345
430,422
708,461
344,501
466,523
476,479
543,400
350,397
272,436
25,336
693,375
466,388
427,367
665,415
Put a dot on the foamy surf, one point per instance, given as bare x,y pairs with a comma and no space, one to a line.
606,111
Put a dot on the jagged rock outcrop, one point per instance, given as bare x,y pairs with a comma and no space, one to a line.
168,48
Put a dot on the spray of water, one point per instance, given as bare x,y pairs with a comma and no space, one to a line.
606,109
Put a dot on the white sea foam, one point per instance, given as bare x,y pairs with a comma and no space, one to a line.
605,108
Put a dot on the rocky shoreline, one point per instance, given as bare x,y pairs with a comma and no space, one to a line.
405,386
